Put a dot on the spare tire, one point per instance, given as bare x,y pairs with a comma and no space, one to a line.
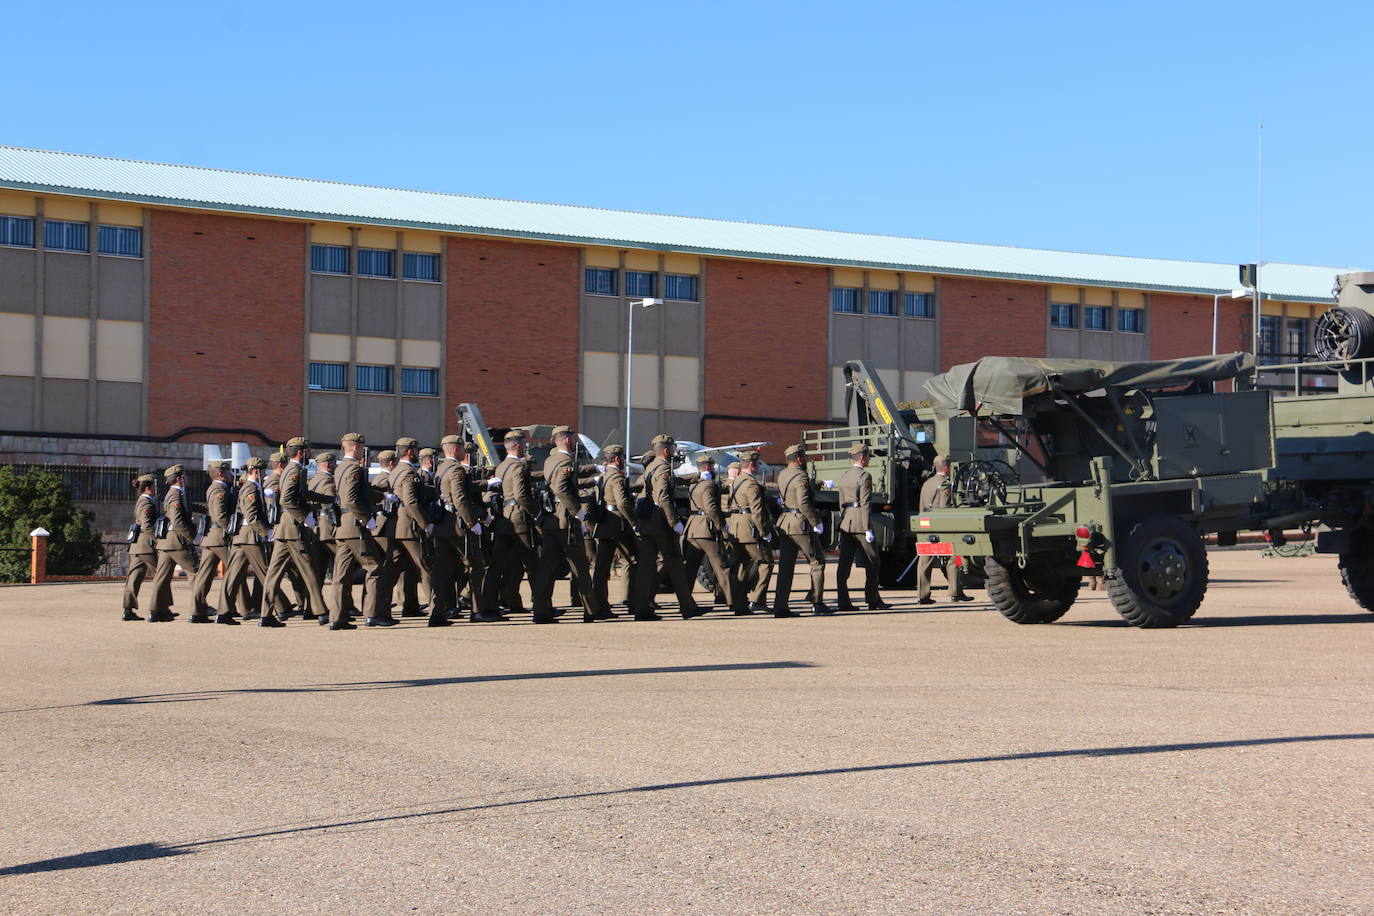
1342,334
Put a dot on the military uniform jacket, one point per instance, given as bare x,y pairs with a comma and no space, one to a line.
218,500
294,502
355,499
253,510
658,478
620,509
386,524
180,532
560,476
145,514
856,486
518,508
446,527
456,493
799,513
935,492
706,519
747,510
326,494
411,515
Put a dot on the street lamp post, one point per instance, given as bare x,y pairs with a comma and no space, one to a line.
1216,306
629,361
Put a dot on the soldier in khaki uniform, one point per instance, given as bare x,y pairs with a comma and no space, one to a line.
460,552
354,545
800,525
143,549
512,549
614,532
325,495
249,553
658,536
175,548
411,524
563,534
386,528
856,531
292,538
214,545
751,528
706,526
936,494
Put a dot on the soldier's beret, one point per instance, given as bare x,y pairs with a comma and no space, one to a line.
662,439
323,457
296,442
748,454
649,456
613,451
256,464
450,440
426,453
385,456
175,470
277,458
405,442
144,480
515,435
858,448
353,437
706,458
220,464
792,451
561,431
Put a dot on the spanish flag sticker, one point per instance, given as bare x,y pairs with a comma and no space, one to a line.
925,523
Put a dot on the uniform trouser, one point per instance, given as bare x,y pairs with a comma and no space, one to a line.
244,558
401,552
459,567
657,540
564,543
210,560
693,550
849,543
140,565
925,568
295,554
759,565
167,562
788,548
607,549
511,556
349,554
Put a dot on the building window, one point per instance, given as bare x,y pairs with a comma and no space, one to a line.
420,381
376,262
121,240
1096,318
420,267
1063,315
328,376
600,281
918,305
1269,335
16,230
882,302
1295,339
639,283
329,259
374,379
60,235
845,299
682,287
1132,321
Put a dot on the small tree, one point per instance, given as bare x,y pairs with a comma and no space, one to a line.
39,499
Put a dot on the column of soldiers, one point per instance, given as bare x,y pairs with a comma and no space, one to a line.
430,523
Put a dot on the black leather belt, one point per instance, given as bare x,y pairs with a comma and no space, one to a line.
700,512
850,505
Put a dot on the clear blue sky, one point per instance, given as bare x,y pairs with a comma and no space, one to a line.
1127,129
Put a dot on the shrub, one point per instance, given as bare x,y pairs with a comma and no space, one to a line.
39,499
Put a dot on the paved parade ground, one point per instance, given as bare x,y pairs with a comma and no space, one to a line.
929,759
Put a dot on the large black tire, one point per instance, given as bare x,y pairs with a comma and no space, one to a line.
1029,595
1161,574
1357,569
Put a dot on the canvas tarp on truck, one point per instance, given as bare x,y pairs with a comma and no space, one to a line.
1000,384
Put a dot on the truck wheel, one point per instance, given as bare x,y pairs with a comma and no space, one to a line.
1029,595
1357,569
1162,575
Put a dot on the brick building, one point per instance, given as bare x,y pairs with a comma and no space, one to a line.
164,302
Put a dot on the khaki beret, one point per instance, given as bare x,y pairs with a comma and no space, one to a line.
748,454
353,437
561,431
662,439
793,451
277,458
858,448
405,442
426,453
384,456
613,451
706,458
143,480
173,471
450,440
323,457
296,442
256,464
649,456
515,435
221,464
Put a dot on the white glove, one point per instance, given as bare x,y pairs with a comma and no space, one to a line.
707,475
271,536
270,493
429,529
600,469
493,483
310,521
391,498
477,528
582,514
819,529
677,529
768,537
725,528
372,524
828,484
868,536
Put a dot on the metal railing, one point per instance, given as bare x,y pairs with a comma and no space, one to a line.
90,484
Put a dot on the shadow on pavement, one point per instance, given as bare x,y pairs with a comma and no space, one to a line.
143,851
1254,620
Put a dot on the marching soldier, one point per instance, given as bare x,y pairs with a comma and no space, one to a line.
512,549
856,531
327,518
292,538
386,531
354,545
659,535
800,525
936,494
427,467
271,487
411,523
705,528
563,533
143,549
614,531
248,553
175,548
458,544
751,528
214,544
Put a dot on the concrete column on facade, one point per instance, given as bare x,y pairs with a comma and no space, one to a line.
92,313
39,272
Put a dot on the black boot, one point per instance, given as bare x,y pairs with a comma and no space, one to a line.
381,622
439,619
199,618
130,615
269,620
226,619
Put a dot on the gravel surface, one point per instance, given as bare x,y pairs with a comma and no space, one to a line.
918,760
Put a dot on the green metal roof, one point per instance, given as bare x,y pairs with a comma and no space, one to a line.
245,192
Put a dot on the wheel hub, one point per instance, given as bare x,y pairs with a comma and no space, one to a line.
1163,570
